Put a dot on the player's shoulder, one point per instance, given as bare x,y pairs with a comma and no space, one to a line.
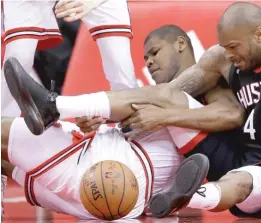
213,55
215,59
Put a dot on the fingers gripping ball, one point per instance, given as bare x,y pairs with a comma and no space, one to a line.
109,190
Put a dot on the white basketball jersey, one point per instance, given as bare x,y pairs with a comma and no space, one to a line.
184,138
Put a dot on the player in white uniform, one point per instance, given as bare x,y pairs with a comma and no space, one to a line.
51,170
31,25
117,106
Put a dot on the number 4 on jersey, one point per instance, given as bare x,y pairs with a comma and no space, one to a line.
249,126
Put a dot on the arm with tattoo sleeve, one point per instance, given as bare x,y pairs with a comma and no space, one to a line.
204,75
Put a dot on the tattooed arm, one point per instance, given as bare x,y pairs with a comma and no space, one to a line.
204,75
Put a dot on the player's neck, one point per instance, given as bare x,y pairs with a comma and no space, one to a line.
188,62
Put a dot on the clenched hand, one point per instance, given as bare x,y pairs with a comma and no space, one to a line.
146,118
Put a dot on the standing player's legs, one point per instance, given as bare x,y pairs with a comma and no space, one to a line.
109,25
25,30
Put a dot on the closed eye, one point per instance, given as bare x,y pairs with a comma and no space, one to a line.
232,47
154,53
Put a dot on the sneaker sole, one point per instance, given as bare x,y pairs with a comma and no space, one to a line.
14,72
189,177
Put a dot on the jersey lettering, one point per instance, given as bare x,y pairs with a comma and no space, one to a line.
249,126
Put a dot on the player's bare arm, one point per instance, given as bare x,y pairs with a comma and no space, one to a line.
204,75
223,112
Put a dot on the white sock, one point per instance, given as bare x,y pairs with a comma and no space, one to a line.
117,62
92,105
209,198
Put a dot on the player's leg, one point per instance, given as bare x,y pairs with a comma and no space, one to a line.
17,140
109,25
239,188
22,37
31,97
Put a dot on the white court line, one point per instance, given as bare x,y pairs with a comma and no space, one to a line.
15,199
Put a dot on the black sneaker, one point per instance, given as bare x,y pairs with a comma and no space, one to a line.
37,104
188,179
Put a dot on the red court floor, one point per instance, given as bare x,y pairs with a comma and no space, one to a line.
17,210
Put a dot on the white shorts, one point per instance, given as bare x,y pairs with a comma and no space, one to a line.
111,18
184,138
58,171
31,19
35,19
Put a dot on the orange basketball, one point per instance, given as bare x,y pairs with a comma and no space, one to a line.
109,190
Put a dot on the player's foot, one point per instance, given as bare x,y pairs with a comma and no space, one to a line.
36,103
188,179
3,186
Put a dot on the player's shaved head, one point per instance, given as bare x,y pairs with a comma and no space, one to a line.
242,15
239,32
169,33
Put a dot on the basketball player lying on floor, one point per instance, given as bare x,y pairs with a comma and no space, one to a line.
107,20
50,167
117,106
157,55
159,142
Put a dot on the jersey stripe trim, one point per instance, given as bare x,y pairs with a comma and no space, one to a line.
147,166
193,142
32,175
53,35
111,30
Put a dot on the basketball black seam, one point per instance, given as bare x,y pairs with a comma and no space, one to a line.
123,190
127,208
105,194
91,202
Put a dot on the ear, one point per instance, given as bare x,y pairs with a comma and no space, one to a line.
257,34
182,43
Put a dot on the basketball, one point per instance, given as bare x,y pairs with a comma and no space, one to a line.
109,190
